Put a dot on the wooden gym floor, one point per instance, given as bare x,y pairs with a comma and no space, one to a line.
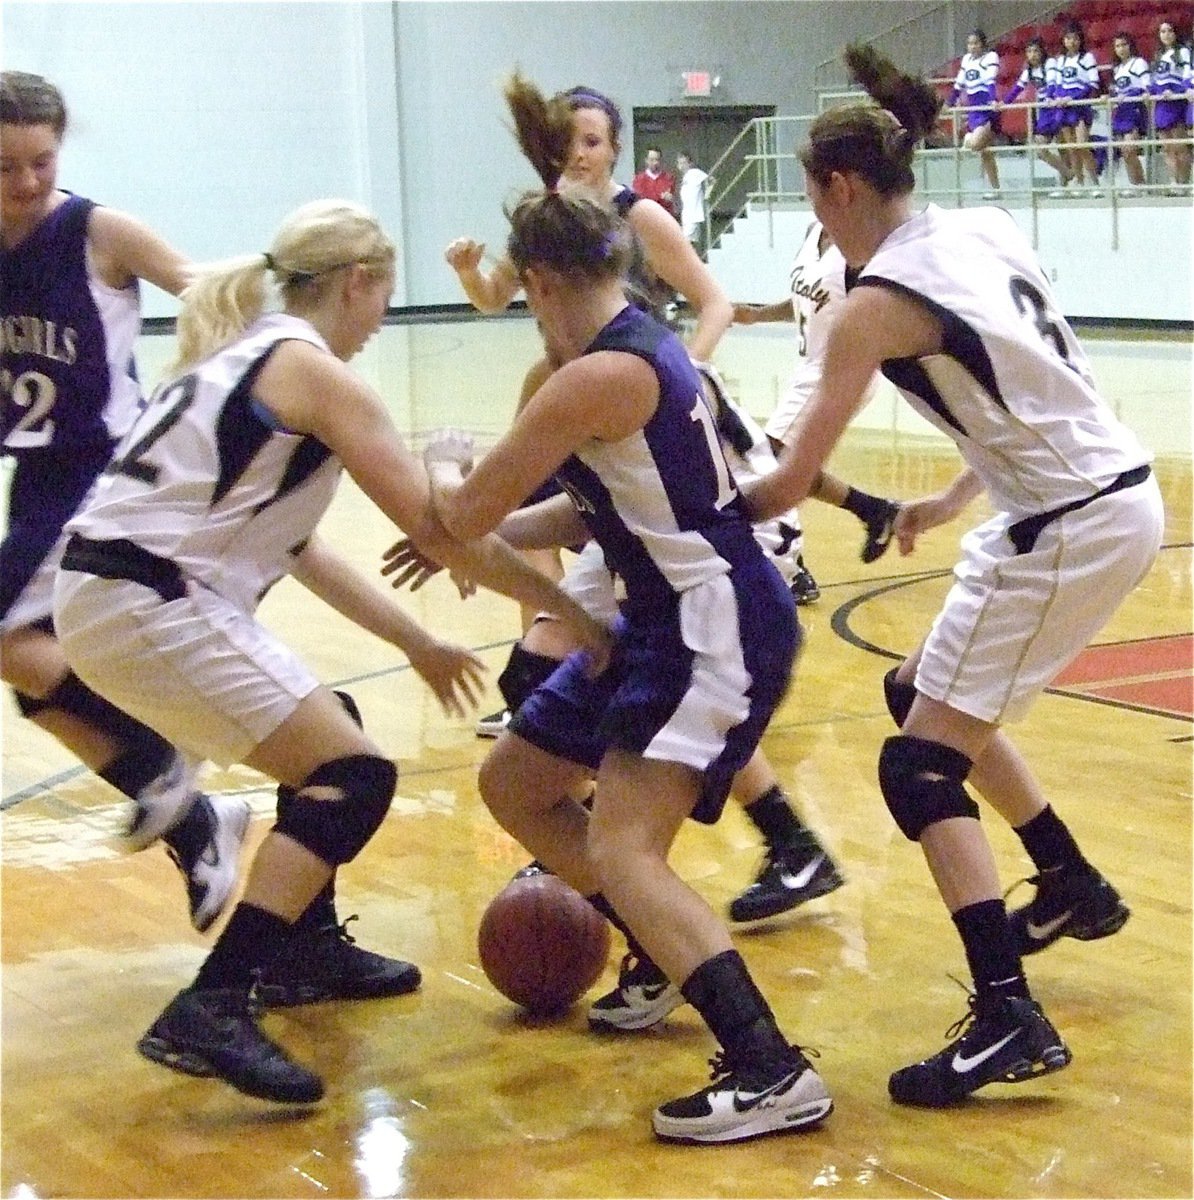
449,1092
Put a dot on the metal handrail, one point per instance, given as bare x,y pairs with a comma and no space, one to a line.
769,162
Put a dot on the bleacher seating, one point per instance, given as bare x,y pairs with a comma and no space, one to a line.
1101,21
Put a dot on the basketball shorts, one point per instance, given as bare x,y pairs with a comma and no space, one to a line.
696,684
46,489
199,671
1012,620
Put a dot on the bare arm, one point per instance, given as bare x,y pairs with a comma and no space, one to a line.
755,314
490,293
671,256
874,325
553,522
312,392
607,395
123,249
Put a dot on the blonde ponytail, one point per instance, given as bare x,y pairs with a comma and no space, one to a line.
314,241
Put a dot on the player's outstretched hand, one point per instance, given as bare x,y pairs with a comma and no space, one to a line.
408,564
454,674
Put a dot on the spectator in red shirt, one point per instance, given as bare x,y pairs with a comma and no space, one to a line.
654,183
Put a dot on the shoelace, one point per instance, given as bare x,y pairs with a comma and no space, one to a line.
720,1066
968,1017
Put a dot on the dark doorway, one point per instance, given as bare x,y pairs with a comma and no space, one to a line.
704,133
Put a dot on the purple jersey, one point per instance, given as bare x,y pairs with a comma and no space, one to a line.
69,382
69,390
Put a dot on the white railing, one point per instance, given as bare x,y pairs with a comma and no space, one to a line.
944,174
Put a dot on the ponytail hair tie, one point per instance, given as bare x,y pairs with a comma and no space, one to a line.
270,265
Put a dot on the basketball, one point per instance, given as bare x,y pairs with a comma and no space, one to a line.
542,944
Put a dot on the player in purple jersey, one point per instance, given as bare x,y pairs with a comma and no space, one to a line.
704,639
956,311
70,315
664,260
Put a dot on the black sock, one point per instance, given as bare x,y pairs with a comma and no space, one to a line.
990,951
737,1013
321,912
606,909
249,942
1049,843
773,816
191,835
864,506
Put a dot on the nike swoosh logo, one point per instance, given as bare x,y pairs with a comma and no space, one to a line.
962,1064
1039,932
801,878
746,1103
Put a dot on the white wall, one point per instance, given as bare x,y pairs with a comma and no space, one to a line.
212,121
1134,265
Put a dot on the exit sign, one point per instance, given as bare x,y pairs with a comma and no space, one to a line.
698,83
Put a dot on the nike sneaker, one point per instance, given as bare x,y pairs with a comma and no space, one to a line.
789,876
1079,904
643,997
804,587
325,963
162,803
212,873
1008,1041
214,1032
879,529
747,1100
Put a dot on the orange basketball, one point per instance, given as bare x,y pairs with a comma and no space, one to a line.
542,944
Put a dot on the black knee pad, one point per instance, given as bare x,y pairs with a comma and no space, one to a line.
524,672
899,696
141,756
921,782
336,830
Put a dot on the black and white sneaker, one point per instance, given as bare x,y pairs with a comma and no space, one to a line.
1009,1042
211,876
804,587
788,878
214,1033
327,964
747,1101
643,997
1068,903
879,530
493,725
162,803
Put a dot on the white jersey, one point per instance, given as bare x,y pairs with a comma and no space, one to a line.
209,480
818,280
1012,387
